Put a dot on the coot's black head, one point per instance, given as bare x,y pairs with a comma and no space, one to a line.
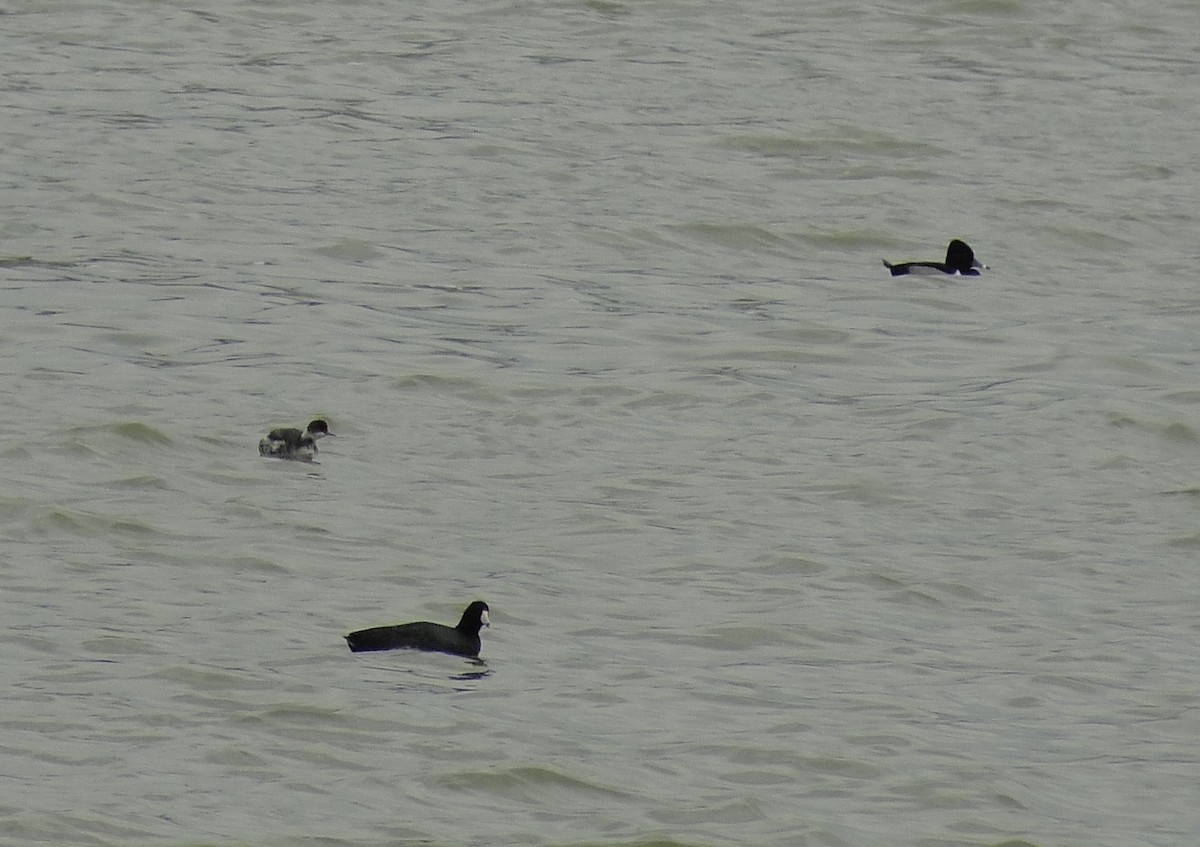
960,257
318,428
474,618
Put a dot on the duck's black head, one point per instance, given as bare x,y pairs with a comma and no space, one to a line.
960,257
318,428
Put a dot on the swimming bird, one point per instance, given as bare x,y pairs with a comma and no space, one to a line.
291,443
461,640
960,260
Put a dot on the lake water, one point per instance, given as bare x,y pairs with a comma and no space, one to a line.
780,550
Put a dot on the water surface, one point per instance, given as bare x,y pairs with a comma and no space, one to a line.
779,550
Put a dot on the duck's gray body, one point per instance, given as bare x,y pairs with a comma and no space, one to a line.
291,443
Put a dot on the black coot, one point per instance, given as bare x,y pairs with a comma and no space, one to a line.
461,640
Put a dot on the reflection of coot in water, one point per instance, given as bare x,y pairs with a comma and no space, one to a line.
461,640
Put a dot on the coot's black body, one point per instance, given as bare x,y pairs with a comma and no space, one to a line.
461,640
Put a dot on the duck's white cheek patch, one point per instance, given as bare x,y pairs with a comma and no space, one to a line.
483,619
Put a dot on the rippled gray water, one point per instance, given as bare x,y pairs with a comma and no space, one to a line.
779,550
